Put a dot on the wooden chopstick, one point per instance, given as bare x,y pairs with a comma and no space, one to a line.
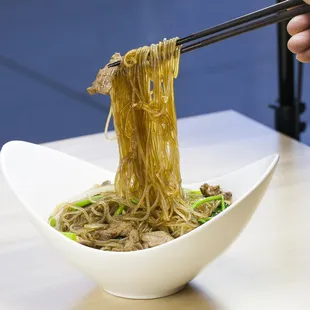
270,15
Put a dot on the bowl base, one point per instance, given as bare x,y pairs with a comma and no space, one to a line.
153,296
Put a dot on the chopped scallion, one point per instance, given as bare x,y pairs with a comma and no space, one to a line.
120,210
69,235
52,221
86,202
207,199
223,203
202,221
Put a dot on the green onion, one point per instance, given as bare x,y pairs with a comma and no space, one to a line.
211,198
217,211
223,203
52,221
69,235
120,210
202,221
134,201
86,202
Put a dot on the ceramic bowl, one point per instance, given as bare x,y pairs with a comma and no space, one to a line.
38,174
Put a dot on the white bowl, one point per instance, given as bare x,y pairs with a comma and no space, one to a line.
41,178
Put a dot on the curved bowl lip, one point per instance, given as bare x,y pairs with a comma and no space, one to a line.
144,251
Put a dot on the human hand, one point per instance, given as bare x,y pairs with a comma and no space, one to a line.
299,29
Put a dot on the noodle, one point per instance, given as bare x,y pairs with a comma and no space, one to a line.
147,200
145,122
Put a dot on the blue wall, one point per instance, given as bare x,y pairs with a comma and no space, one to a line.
51,51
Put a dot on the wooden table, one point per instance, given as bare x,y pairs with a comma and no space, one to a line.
268,267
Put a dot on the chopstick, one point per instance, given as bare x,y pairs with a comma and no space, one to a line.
243,19
279,13
280,17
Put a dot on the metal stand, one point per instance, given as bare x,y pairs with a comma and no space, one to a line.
289,108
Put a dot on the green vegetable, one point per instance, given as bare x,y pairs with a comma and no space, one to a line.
120,210
86,202
208,199
217,211
135,201
69,235
223,203
52,221
202,221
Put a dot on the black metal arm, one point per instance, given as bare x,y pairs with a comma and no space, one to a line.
289,108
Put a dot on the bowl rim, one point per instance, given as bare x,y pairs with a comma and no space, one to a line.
90,250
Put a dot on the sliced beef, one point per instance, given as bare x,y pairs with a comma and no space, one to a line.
115,229
103,81
209,190
133,243
227,196
155,238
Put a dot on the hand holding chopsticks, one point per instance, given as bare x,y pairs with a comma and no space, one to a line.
273,14
299,29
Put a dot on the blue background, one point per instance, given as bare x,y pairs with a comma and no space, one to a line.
51,51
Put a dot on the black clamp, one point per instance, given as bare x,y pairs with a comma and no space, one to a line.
287,119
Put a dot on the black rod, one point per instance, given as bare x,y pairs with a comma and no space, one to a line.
285,67
287,112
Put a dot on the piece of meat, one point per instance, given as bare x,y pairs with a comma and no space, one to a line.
155,238
133,243
115,229
227,196
209,190
134,236
103,81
